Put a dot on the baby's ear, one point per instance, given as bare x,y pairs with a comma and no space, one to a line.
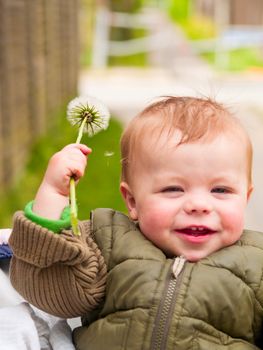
129,200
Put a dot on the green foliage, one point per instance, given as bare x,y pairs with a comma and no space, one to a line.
199,27
194,25
99,187
129,6
138,60
178,10
237,60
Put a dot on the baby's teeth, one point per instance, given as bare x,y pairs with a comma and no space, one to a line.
197,228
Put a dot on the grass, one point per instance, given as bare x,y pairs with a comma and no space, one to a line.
98,188
238,60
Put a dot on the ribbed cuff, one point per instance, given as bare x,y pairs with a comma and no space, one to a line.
52,225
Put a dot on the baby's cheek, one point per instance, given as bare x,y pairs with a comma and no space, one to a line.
234,222
149,222
153,222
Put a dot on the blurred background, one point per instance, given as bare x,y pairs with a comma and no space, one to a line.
126,53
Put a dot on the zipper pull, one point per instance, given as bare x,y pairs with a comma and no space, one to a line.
178,265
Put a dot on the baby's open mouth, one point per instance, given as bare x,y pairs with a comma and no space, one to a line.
196,231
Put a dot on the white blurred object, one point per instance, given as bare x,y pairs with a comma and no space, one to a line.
4,235
8,295
25,327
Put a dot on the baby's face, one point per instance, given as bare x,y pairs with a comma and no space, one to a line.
190,200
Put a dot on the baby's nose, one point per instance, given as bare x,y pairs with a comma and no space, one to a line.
197,205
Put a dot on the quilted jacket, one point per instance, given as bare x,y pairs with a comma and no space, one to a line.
150,302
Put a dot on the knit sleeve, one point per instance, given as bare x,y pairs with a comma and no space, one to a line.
64,275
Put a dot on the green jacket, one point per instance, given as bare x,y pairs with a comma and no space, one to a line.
132,296
214,304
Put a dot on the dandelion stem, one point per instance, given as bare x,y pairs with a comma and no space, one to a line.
81,128
73,208
73,204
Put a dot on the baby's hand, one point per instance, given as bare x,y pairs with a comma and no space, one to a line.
53,193
70,162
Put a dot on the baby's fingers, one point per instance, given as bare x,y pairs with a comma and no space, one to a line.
75,156
71,161
77,168
78,146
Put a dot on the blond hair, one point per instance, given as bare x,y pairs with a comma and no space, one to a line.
196,118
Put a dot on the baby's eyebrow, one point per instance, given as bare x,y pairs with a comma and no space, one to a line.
170,174
225,178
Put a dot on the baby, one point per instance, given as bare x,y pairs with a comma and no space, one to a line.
180,271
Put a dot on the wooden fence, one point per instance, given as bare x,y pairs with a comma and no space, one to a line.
38,73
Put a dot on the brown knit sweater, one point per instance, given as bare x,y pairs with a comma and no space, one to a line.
62,274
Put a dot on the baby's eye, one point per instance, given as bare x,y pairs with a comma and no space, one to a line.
220,190
173,189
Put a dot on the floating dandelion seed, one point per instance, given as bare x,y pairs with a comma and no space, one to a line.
91,116
108,153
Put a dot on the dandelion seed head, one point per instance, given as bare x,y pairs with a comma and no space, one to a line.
96,113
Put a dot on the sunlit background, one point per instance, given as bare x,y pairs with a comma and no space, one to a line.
126,53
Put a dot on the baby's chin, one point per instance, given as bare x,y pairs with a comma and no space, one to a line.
195,256
190,255
194,259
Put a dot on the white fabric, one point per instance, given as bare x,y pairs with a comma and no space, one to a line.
4,235
17,329
24,327
8,295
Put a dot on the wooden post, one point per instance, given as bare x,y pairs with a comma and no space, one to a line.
38,74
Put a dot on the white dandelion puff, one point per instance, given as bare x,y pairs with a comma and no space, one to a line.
88,113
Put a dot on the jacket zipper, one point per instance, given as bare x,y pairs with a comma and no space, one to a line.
164,314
